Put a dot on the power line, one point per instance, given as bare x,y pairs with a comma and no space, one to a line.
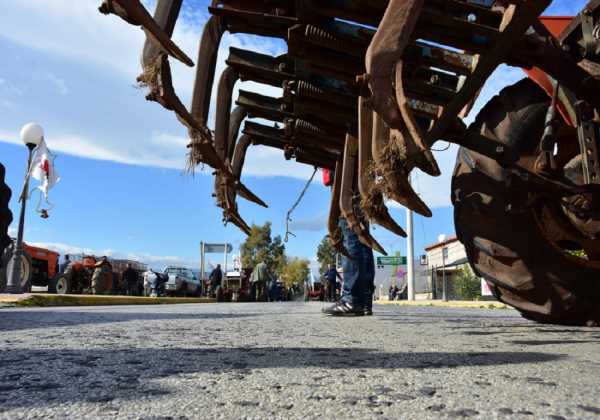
288,219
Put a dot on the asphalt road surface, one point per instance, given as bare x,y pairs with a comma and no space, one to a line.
288,361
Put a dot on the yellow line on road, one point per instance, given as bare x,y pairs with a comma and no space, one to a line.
449,304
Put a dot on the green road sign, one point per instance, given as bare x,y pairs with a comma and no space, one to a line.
391,260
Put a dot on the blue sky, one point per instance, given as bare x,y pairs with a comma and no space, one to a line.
123,190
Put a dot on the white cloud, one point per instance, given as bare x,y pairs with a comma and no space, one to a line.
154,261
113,46
59,84
75,30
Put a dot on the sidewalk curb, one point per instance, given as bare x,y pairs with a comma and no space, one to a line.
44,300
450,304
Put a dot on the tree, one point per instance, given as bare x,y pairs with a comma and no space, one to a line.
277,259
260,247
296,270
325,254
467,285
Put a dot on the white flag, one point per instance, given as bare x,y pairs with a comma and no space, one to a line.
42,169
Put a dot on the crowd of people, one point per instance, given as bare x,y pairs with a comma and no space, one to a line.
104,280
263,286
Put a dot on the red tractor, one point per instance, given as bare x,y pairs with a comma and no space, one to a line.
39,267
86,275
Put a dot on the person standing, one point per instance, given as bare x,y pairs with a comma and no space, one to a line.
332,275
215,278
359,277
65,264
130,281
260,277
102,277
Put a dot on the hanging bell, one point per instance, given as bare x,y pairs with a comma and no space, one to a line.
44,214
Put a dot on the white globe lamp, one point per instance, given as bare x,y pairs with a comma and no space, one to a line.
32,134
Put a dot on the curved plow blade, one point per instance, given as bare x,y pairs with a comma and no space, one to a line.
158,78
391,171
372,196
244,192
412,140
335,233
386,48
347,205
133,12
231,212
205,70
223,112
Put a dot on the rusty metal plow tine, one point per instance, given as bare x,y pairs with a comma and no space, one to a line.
349,210
223,112
225,193
232,215
226,200
224,140
335,233
418,152
157,77
386,48
205,70
391,170
133,12
202,150
244,192
371,194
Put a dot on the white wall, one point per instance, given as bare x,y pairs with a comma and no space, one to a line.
456,251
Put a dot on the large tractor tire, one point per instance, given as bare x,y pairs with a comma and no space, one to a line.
26,270
515,238
5,218
61,285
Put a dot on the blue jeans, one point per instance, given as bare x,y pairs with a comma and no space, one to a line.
359,272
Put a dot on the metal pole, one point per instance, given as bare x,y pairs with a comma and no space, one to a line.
444,287
434,282
410,246
225,255
202,267
13,284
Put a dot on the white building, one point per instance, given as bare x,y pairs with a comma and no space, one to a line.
445,259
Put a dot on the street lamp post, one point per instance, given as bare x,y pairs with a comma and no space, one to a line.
31,135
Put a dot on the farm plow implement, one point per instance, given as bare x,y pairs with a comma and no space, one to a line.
368,87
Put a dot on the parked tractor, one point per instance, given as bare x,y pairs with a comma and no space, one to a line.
39,267
369,86
86,275
235,287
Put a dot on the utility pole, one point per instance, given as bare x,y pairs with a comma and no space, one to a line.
202,267
441,241
444,285
410,260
